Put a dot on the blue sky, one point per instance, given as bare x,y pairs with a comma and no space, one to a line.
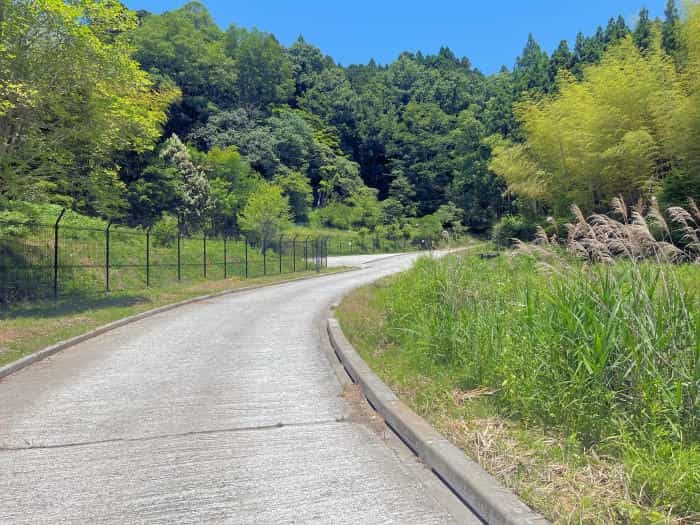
490,32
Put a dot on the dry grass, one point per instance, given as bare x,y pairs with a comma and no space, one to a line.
571,487
362,412
641,232
568,484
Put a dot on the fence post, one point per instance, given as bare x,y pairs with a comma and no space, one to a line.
264,249
306,254
279,245
225,259
148,257
325,250
55,253
317,258
204,257
109,225
179,265
245,244
294,254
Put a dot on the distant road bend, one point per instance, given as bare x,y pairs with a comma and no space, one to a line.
227,410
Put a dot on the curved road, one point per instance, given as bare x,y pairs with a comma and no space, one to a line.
226,410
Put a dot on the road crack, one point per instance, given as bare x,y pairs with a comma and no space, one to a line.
275,426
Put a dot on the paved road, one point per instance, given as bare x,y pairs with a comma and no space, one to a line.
222,411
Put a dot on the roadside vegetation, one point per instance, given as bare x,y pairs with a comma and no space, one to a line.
571,372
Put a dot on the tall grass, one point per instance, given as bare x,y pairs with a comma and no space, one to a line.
609,354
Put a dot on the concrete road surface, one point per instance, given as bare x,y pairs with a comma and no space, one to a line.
226,410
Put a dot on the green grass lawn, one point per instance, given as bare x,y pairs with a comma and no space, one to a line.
30,326
575,385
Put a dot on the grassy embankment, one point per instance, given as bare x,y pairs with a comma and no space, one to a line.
575,385
29,326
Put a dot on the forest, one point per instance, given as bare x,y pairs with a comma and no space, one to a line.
144,119
569,367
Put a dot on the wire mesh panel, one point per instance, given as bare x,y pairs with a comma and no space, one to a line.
290,257
215,257
191,258
236,258
127,259
82,260
258,255
162,258
26,261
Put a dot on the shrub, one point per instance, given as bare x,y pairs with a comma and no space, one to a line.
165,231
513,227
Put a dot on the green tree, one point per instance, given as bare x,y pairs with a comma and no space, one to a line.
404,193
232,182
195,190
266,214
156,191
366,210
671,29
611,134
421,145
562,58
265,72
73,98
643,32
186,47
588,50
309,62
475,190
292,138
685,124
331,97
497,114
532,68
615,31
297,189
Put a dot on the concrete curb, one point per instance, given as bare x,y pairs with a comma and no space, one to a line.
495,504
62,345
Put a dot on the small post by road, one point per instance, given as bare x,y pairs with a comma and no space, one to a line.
318,255
179,261
306,254
264,249
109,225
55,253
324,252
245,244
279,246
225,259
204,257
294,254
148,257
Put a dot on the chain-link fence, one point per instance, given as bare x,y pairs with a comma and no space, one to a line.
40,260
62,258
